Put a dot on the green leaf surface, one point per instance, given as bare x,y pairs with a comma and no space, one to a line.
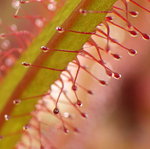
26,82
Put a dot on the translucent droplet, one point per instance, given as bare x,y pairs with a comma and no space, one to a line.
56,110
90,92
26,127
13,27
39,23
16,101
134,13
79,103
145,36
76,130
74,87
82,11
116,56
67,115
25,64
59,29
51,7
65,130
102,82
132,52
15,4
44,49
84,115
116,75
109,18
133,33
7,117
9,61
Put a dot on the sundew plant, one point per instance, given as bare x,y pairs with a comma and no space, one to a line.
68,78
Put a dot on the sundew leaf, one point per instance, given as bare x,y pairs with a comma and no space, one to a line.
27,82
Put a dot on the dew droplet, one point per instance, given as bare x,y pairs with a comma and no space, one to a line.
9,61
26,127
116,56
5,44
15,4
102,82
132,52
51,7
116,75
67,115
13,27
76,130
74,87
109,18
56,110
7,117
134,13
145,36
133,33
59,29
90,92
39,23
25,64
79,103
16,101
84,115
65,130
82,11
44,49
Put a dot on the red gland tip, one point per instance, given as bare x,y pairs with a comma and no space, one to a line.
83,11
84,115
6,117
90,92
56,110
26,64
44,48
109,18
15,16
25,127
59,29
79,103
132,52
102,82
65,130
74,87
134,13
133,33
116,75
116,56
76,130
145,36
16,101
